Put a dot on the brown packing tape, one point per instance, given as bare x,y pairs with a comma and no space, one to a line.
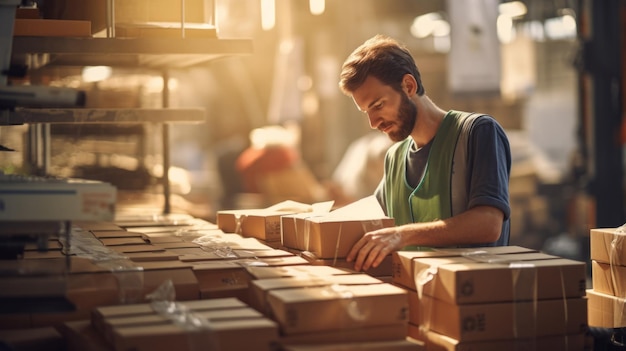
524,284
614,258
617,243
239,219
307,234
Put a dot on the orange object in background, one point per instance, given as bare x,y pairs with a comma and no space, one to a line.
255,163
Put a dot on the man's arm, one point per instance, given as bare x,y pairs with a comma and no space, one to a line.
480,224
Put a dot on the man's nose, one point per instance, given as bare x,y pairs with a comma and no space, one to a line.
374,120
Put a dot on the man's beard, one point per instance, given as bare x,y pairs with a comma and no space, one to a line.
407,114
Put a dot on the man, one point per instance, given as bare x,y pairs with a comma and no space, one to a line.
446,177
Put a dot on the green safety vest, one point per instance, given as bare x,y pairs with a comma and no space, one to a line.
442,191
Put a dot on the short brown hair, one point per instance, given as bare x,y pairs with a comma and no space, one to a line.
383,58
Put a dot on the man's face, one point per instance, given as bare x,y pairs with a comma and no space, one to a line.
388,110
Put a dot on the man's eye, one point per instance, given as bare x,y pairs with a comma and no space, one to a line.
378,106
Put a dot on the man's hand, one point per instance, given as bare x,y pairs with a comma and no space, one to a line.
374,246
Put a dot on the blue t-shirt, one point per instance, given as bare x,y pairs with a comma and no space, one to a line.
488,167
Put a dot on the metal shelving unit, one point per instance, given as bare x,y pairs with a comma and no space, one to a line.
154,53
160,54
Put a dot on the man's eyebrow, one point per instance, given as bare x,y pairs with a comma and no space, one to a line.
371,104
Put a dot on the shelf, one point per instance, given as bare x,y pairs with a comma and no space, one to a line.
102,116
156,53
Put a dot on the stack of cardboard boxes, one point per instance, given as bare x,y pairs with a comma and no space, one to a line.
493,299
314,232
607,296
323,306
449,299
215,324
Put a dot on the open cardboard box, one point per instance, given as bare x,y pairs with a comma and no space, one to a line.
263,224
332,234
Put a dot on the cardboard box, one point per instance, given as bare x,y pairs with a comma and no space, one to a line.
55,319
332,234
101,314
224,278
261,287
136,248
255,334
212,315
46,338
263,224
186,285
403,344
51,28
122,241
608,279
328,237
139,257
229,254
177,245
163,222
606,311
294,271
383,270
403,272
38,255
397,331
33,278
94,225
608,245
217,325
90,290
130,281
80,336
461,280
439,342
506,320
225,241
116,234
342,307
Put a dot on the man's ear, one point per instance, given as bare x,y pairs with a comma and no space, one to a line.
409,84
